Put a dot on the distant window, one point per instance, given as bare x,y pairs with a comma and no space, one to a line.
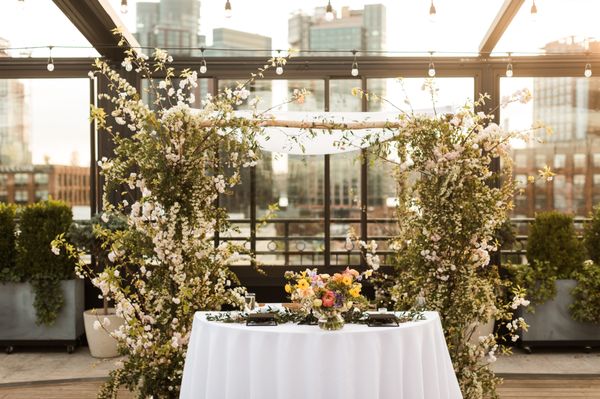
21,178
521,160
579,160
21,196
560,160
41,195
540,160
41,178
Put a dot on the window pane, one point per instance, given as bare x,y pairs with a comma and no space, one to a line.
569,107
381,183
44,142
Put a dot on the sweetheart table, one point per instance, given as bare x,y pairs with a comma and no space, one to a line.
289,361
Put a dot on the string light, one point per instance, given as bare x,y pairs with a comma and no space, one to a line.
329,12
50,65
354,71
203,68
432,12
124,7
588,70
534,10
431,69
509,68
228,11
279,69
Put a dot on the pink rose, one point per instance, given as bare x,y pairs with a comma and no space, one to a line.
328,299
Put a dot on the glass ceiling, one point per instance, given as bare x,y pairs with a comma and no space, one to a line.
39,23
374,27
408,26
566,24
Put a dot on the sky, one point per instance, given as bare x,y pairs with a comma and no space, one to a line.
59,107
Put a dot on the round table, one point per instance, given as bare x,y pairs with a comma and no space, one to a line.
289,361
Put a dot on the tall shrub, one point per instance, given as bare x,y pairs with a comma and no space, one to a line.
553,240
8,247
39,225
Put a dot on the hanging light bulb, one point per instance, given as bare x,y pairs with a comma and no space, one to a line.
203,68
588,70
329,12
227,9
354,71
431,68
509,68
534,10
50,66
124,7
432,12
279,69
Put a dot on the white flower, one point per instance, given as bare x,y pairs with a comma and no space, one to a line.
112,256
106,322
117,273
120,120
104,217
91,74
56,250
162,84
176,301
97,325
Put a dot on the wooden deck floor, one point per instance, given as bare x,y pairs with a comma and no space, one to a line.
511,389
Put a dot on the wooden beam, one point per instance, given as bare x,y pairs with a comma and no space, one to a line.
96,19
506,14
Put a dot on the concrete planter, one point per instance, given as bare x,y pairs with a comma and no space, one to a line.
18,320
552,324
101,343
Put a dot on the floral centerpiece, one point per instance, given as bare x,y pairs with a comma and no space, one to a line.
327,296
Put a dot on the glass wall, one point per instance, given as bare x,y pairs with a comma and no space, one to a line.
569,108
44,142
295,235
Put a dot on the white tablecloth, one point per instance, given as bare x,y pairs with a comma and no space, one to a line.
232,361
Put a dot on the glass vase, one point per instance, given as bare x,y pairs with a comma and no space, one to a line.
331,322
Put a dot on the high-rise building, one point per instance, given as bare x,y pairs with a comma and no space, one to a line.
224,38
363,30
14,126
170,24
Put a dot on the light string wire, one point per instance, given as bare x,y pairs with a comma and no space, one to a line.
306,51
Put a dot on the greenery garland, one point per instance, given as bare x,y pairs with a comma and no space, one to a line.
8,247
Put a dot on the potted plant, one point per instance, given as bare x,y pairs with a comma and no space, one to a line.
42,301
99,323
556,258
586,295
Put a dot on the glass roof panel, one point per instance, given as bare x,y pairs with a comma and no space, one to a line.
558,27
28,27
396,27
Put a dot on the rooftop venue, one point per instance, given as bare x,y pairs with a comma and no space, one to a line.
267,199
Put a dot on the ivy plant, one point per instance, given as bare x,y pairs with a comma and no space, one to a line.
39,224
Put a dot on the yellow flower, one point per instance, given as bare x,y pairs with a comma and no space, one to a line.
368,273
347,279
288,288
355,291
302,284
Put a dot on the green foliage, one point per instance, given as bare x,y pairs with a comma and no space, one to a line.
84,236
537,278
39,224
552,239
586,295
8,249
591,236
